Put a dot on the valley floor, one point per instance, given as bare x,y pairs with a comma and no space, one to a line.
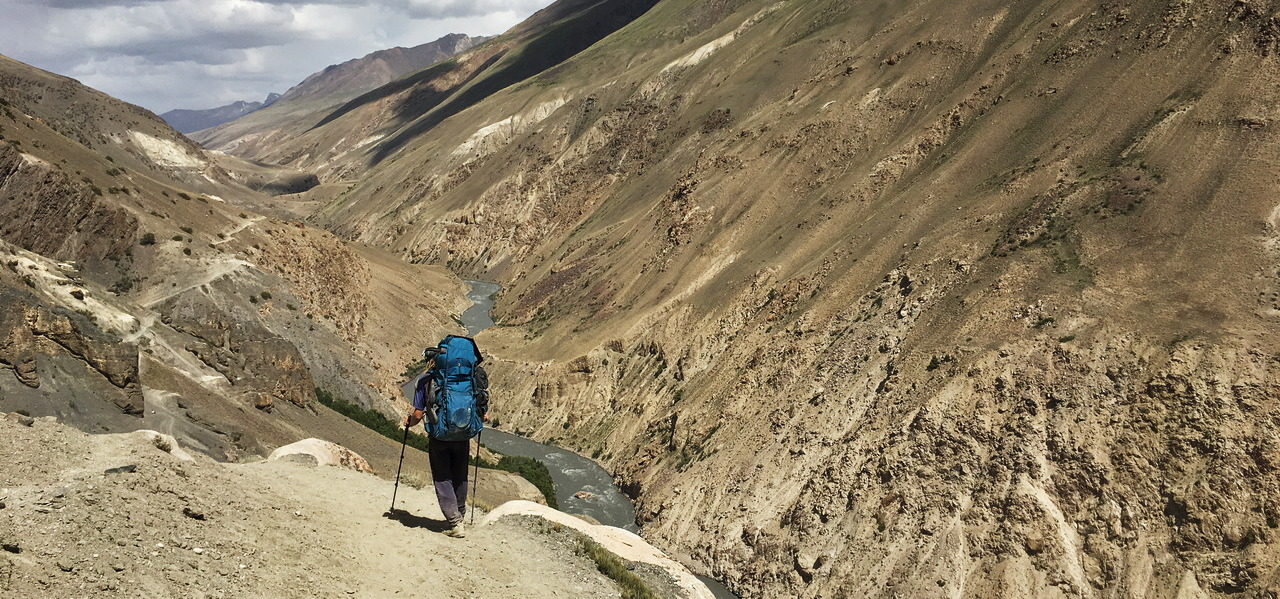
131,515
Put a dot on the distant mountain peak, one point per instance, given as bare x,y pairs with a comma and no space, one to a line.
186,121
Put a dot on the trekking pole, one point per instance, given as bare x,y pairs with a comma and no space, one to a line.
475,485
403,442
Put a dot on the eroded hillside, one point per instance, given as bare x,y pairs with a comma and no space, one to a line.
140,288
882,298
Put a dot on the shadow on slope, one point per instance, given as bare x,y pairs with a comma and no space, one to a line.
553,44
556,44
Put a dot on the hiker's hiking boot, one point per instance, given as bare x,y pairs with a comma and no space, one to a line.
456,531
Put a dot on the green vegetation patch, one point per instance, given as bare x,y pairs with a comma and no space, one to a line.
528,468
371,419
610,565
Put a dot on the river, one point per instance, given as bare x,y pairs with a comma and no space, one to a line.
572,473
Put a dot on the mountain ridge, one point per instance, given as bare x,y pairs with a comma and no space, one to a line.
1000,323
301,105
191,120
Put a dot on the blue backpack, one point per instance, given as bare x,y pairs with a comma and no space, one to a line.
457,418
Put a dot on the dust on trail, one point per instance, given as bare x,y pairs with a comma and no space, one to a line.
124,515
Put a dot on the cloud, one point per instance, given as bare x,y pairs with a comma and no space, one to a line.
165,54
440,9
73,4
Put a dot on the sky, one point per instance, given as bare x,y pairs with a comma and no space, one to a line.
166,54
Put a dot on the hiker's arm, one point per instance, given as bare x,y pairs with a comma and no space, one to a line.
421,392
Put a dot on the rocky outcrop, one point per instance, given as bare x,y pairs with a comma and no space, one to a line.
324,453
240,348
29,330
45,211
501,486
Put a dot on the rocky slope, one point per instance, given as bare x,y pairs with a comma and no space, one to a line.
875,299
256,135
188,120
140,282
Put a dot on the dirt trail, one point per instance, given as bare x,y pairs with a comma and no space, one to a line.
408,554
231,233
217,269
117,515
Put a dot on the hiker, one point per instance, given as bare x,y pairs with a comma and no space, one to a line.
453,397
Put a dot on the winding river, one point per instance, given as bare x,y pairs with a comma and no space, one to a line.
582,486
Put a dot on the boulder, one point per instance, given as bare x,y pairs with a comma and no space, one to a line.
498,487
325,453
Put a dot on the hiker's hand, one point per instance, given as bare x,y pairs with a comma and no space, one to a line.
485,417
413,418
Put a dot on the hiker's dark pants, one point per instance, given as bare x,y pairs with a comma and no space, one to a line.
449,472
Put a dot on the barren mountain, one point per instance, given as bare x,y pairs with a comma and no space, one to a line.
187,120
139,283
872,299
155,295
255,135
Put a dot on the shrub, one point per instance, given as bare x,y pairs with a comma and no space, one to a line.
371,419
610,565
413,368
176,238
186,251
266,295
147,239
186,230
